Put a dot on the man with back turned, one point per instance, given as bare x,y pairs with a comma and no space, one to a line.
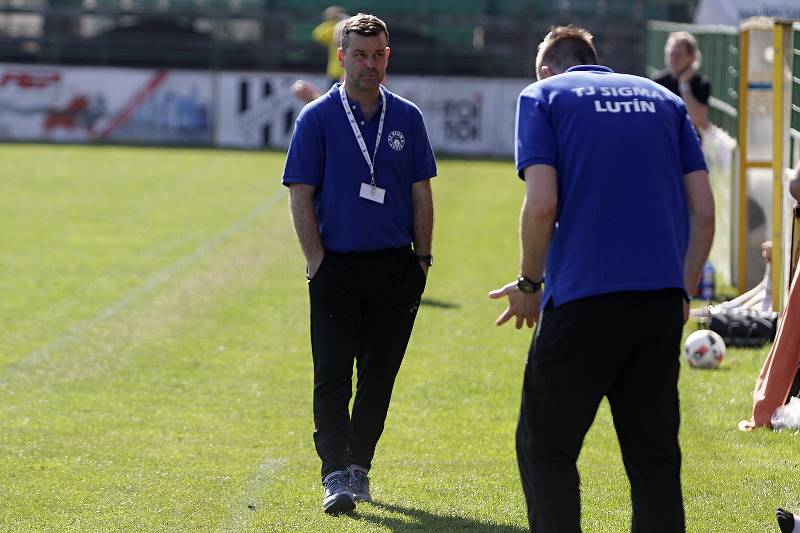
616,223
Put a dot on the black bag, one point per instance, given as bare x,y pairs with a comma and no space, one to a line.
744,327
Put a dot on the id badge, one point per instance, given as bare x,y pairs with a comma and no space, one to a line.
373,194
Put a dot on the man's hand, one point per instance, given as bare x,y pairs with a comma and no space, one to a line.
424,267
313,265
523,306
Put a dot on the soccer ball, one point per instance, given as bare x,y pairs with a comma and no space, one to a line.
704,349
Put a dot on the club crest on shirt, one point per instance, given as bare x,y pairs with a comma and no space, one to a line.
396,140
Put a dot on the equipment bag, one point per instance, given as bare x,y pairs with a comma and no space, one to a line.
744,327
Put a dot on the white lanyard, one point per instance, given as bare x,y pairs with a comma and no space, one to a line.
357,131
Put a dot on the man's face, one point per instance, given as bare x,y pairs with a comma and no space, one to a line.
365,61
679,58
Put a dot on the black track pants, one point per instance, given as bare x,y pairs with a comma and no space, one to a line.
363,306
625,346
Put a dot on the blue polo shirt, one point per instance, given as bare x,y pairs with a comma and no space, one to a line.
324,153
621,146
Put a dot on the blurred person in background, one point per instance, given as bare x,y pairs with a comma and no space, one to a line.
682,57
305,91
607,175
774,384
329,34
358,170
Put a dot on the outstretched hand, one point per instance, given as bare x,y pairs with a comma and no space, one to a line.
525,307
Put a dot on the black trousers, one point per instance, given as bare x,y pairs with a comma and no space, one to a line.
624,346
363,306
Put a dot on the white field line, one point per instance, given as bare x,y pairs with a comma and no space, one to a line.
151,284
238,518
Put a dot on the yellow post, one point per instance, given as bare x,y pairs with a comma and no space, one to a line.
744,66
777,166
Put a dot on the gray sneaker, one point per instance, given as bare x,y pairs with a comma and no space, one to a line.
337,498
359,483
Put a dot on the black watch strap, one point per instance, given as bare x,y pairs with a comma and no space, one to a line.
425,259
527,285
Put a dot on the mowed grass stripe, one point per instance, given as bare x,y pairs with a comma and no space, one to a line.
75,332
84,225
253,497
141,394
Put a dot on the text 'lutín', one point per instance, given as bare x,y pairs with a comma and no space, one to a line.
636,105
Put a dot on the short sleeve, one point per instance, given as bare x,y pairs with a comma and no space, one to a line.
304,160
691,154
424,160
535,138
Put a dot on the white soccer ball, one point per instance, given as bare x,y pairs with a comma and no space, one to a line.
704,349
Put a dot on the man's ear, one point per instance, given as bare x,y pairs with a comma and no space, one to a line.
546,71
340,55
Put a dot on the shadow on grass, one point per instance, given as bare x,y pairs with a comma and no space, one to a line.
439,303
425,521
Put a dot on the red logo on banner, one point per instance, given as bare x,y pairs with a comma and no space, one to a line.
30,80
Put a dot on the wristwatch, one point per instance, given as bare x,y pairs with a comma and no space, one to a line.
425,259
527,285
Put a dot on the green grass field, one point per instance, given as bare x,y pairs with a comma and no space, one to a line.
155,372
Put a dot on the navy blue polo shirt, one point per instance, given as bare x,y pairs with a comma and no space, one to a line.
324,153
621,146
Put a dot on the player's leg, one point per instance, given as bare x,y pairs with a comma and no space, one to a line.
335,320
386,329
567,374
644,403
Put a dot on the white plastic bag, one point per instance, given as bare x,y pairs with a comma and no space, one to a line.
787,416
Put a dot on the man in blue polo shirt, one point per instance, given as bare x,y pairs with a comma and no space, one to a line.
359,168
617,221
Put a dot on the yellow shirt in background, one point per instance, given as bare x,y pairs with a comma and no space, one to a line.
324,34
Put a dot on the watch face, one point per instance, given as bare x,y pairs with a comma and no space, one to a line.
525,286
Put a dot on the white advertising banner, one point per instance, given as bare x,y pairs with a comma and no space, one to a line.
75,104
258,110
463,115
471,116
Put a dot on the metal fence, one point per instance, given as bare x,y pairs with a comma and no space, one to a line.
795,113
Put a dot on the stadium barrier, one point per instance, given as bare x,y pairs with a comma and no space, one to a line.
465,116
